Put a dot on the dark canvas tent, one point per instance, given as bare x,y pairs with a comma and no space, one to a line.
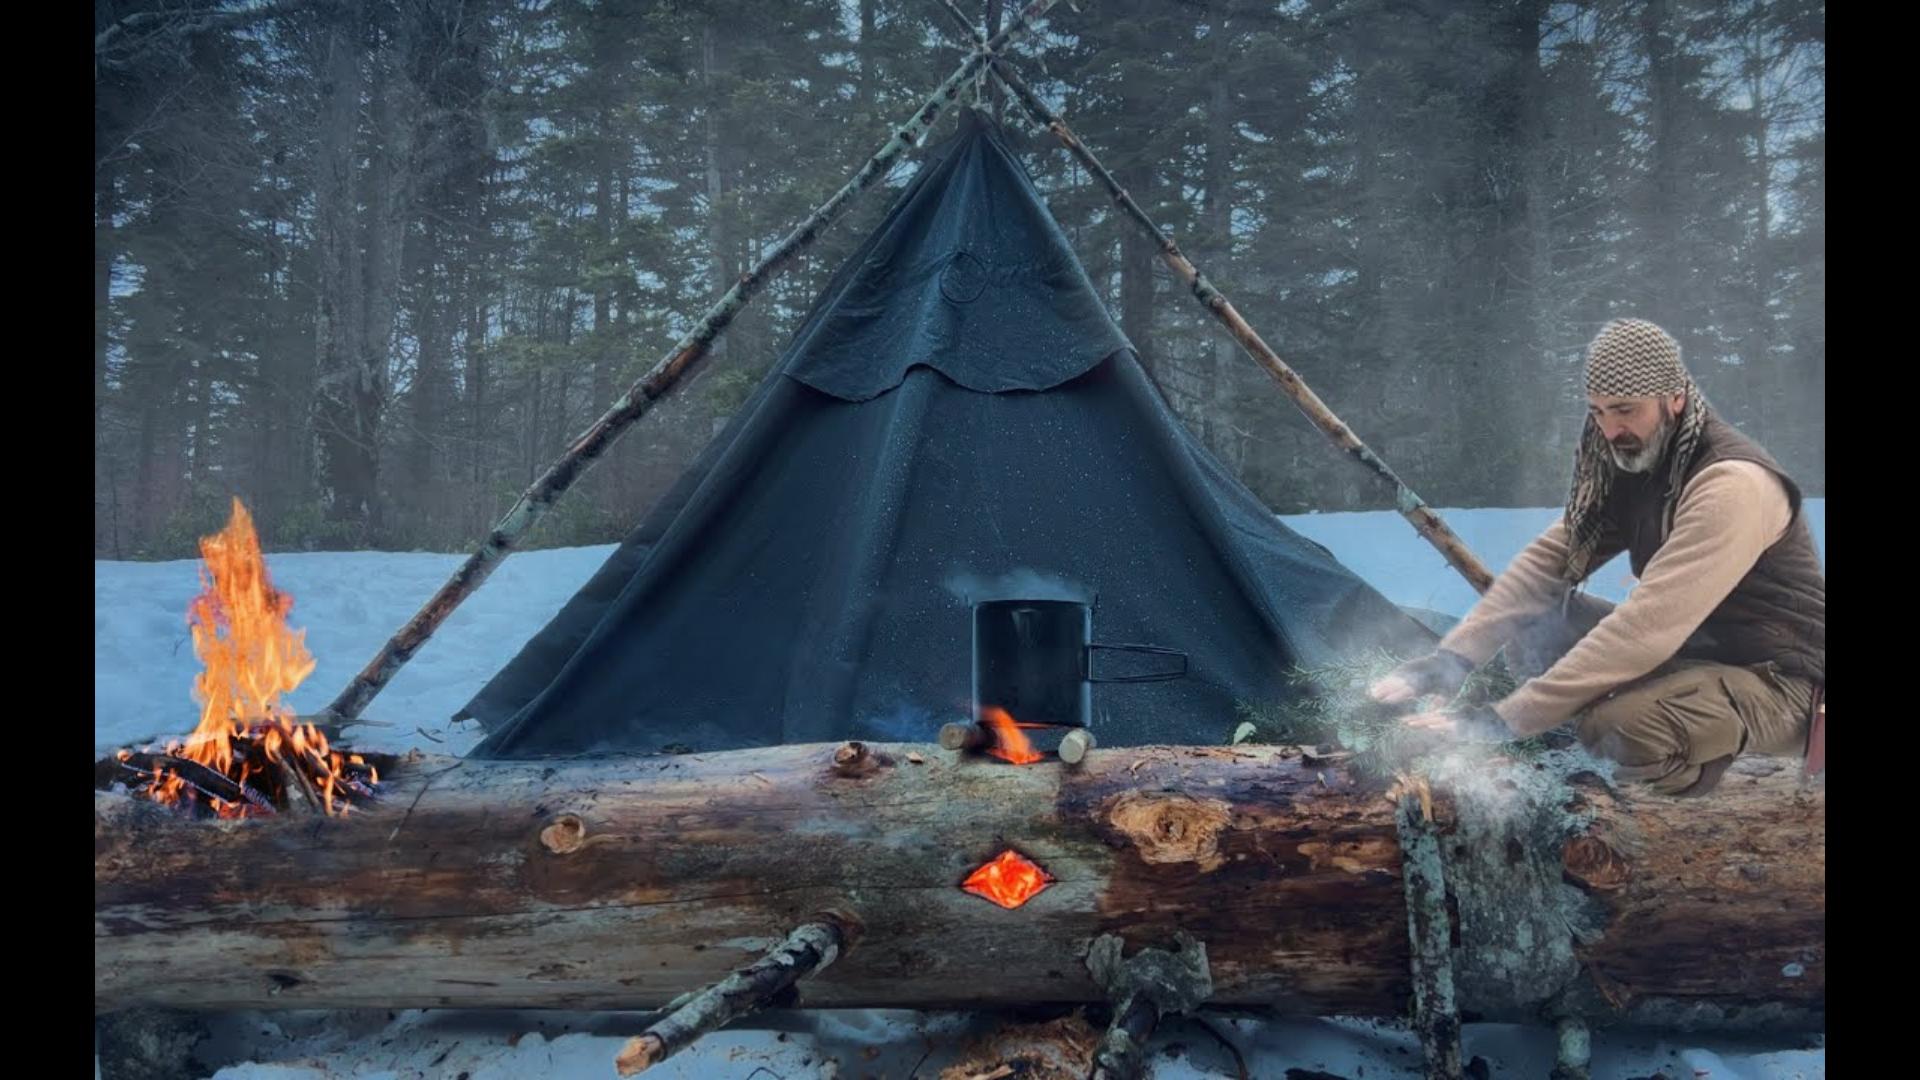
957,419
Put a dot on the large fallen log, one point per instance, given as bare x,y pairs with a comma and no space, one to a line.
622,883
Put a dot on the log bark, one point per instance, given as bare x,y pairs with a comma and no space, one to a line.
623,883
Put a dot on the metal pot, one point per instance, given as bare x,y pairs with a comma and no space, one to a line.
1034,658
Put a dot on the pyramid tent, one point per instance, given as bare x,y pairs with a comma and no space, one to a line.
957,419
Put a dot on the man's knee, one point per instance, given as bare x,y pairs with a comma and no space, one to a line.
1685,718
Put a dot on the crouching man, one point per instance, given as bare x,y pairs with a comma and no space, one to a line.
1721,647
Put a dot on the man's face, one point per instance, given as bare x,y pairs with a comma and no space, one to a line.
1636,429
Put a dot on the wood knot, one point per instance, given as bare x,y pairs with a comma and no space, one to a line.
1172,828
1589,861
853,759
565,836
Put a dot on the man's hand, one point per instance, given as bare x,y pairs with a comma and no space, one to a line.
1439,672
1478,724
1438,723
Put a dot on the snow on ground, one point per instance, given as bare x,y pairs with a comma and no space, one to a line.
896,1044
350,602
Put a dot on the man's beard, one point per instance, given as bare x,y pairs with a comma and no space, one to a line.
1646,455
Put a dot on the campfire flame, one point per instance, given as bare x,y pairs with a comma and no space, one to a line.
1008,743
1009,880
251,659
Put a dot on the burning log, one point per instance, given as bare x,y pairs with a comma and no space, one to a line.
625,883
171,779
808,950
155,771
1005,738
252,658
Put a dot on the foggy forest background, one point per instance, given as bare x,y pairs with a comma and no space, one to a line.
371,265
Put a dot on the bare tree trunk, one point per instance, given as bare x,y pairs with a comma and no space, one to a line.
106,204
1137,258
146,474
1547,397
561,420
867,89
1663,223
197,415
1223,434
609,213
1765,388
361,223
996,98
345,457
389,209
604,218
479,432
720,277
1513,369
474,377
433,331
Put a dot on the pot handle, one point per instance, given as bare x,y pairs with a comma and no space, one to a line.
1152,676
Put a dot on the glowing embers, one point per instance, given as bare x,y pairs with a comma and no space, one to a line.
1009,880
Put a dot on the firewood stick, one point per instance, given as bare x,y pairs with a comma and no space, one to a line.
296,783
958,736
1074,746
806,951
208,782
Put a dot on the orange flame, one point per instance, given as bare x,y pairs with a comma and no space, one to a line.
1009,880
252,658
1008,743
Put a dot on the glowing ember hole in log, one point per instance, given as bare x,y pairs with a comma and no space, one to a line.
1009,880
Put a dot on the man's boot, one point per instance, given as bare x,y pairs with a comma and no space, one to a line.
1710,774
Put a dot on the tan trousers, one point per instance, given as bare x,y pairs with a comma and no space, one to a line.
1664,727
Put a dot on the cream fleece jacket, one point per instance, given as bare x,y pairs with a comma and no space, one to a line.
1728,515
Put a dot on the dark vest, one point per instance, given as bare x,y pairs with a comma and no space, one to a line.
1778,612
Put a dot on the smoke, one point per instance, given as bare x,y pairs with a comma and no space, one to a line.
1018,584
906,722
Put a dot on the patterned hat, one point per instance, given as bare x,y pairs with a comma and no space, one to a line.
1629,358
1632,358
